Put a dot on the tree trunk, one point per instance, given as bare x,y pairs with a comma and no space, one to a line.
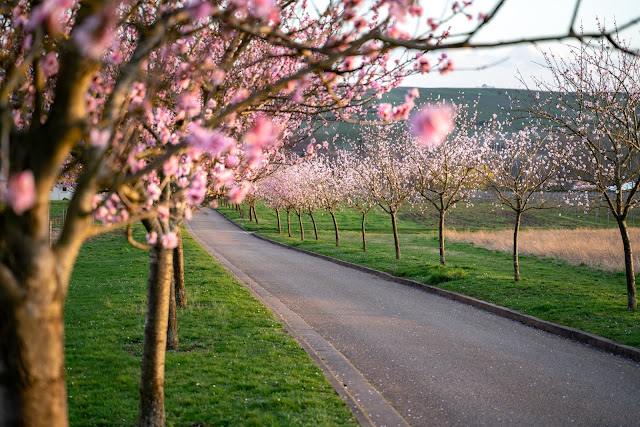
32,376
250,213
178,272
289,223
301,227
172,326
279,224
335,227
441,237
255,215
632,303
396,239
516,264
151,410
364,235
315,226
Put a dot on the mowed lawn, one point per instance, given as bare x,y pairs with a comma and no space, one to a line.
235,364
578,296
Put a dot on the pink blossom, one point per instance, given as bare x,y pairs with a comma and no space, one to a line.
99,138
50,64
240,95
217,77
424,65
152,238
446,67
238,193
432,124
170,167
189,105
215,142
169,240
21,191
413,94
50,13
201,11
264,10
384,111
153,191
163,212
263,134
96,34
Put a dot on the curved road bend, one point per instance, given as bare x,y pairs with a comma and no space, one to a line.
435,360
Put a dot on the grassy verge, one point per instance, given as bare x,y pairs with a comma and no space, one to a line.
580,297
235,365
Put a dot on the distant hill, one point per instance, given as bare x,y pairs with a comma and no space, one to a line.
490,101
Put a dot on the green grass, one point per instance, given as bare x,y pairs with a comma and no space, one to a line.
235,364
580,297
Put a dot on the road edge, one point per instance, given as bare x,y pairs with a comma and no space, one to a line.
592,340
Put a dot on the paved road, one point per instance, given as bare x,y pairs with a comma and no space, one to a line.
435,360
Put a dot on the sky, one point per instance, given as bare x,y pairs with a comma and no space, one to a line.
519,19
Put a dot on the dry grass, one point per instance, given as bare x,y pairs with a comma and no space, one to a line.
596,248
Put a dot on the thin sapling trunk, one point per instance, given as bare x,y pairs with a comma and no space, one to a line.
516,264
335,227
178,272
441,236
632,303
396,238
364,235
315,226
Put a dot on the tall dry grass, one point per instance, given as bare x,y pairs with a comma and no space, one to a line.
600,249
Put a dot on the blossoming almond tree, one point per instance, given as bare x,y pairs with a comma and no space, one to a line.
518,168
593,101
445,173
382,155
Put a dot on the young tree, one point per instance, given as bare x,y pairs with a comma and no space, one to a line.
383,163
518,168
593,101
445,174
359,194
328,185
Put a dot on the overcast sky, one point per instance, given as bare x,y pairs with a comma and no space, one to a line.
525,18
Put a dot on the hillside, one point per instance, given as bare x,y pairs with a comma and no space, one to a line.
490,101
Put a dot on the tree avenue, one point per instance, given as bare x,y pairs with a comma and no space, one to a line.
153,108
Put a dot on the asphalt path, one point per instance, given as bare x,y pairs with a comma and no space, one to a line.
436,361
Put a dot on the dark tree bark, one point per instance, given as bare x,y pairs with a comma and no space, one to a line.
516,263
335,227
172,326
364,235
301,227
32,377
289,223
151,411
278,218
315,226
632,303
178,272
396,238
255,215
441,236
250,213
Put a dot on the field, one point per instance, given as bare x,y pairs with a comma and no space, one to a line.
583,247
585,298
235,364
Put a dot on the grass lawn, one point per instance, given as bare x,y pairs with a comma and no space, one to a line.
235,366
587,299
